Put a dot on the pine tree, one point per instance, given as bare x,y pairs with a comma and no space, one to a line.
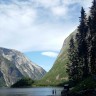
82,53
93,18
92,42
72,69
82,47
89,37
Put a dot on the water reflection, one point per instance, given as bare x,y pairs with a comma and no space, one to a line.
30,91
14,95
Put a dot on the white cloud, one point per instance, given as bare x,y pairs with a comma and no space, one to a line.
59,10
47,3
85,3
19,27
60,7
50,54
12,13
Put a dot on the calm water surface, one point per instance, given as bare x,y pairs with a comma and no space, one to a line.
30,91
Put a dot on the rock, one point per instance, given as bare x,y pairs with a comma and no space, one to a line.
14,65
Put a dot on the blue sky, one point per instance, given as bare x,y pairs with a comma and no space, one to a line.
38,27
44,61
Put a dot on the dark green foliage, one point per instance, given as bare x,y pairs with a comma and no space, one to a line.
24,82
92,38
72,68
88,83
86,46
82,47
78,53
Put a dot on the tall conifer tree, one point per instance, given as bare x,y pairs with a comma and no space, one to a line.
72,68
82,53
92,29
82,44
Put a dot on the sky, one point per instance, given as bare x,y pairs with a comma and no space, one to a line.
38,28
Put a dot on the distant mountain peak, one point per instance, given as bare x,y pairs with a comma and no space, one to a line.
14,65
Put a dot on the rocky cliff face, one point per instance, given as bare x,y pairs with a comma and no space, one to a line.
14,65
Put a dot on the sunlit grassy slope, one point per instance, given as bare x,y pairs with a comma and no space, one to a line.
57,75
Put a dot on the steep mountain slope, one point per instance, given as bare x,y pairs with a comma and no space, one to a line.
14,65
58,74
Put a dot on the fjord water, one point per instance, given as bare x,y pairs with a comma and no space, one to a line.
30,91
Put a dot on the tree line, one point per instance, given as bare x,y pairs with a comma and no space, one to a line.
82,48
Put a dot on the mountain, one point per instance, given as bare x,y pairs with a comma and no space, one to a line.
57,75
14,65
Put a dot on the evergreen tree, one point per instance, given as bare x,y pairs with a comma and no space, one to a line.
72,67
93,19
82,53
89,37
92,42
82,48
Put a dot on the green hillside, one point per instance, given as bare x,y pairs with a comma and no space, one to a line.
57,75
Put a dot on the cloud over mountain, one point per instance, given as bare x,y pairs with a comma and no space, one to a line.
50,54
37,25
